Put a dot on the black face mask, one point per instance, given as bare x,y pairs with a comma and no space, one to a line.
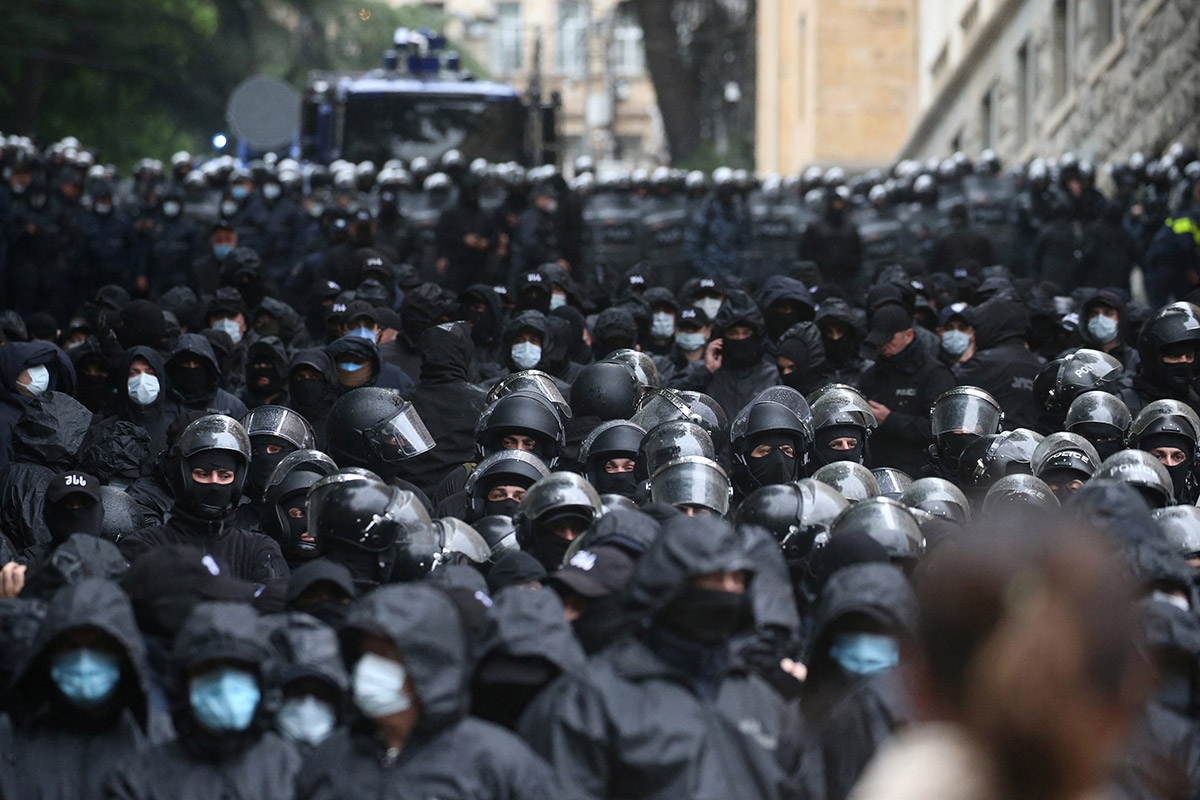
778,323
739,353
622,483
308,392
93,391
295,549
272,386
483,328
1180,479
209,501
259,472
549,549
1178,377
839,351
506,507
707,616
191,382
795,380
950,448
331,612
1106,449
773,468
63,521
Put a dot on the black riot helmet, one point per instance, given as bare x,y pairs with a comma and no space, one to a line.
765,423
556,503
640,365
840,413
533,380
605,389
613,439
887,522
853,481
1169,424
1101,418
502,468
522,413
667,405
990,458
1180,526
892,482
1015,493
1064,461
425,548
669,441
694,484
286,499
1062,380
1173,330
274,432
1143,472
938,497
797,514
958,417
375,428
211,443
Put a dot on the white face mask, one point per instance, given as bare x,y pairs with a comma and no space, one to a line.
229,326
143,389
271,191
305,719
39,380
662,325
690,341
228,208
378,686
557,300
709,305
526,355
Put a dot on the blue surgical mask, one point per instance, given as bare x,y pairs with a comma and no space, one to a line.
363,333
690,341
526,355
239,192
222,250
143,389
39,380
955,342
86,677
306,719
224,699
350,366
865,653
231,327
378,686
1103,328
662,325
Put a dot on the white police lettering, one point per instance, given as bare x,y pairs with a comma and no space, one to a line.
583,560
533,277
1023,384
638,279
906,392
75,480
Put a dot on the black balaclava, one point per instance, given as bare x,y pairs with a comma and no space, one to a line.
274,381
263,465
63,521
209,500
778,320
740,353
191,382
775,467
822,454
1060,477
840,351
622,483
93,390
550,548
1180,473
295,549
707,616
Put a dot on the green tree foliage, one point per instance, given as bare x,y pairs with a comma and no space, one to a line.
134,78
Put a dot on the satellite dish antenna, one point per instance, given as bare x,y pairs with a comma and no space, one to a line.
264,112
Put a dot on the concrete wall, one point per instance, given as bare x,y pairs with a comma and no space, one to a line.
1140,91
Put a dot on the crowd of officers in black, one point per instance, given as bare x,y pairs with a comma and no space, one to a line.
343,482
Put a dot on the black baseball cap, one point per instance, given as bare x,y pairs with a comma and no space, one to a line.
886,323
72,482
595,572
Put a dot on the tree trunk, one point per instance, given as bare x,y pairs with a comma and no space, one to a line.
674,83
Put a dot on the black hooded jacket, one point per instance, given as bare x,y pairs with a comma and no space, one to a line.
844,364
632,726
1003,366
386,376
45,441
447,403
53,749
734,386
212,399
536,321
15,358
485,331
448,754
314,406
780,287
155,417
270,350
254,764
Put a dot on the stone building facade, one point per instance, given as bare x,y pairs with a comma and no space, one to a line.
837,82
1102,78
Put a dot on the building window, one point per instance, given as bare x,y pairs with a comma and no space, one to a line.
1108,24
572,38
1025,93
628,55
1061,43
987,119
507,49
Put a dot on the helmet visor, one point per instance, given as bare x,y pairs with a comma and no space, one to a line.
399,437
